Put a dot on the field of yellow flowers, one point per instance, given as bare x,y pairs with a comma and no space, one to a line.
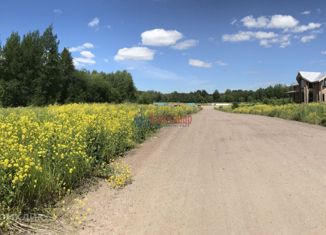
314,113
45,152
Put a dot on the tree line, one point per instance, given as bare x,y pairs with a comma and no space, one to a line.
34,72
272,94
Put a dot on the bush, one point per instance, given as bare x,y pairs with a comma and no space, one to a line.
235,105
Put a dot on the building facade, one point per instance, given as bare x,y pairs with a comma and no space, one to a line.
311,87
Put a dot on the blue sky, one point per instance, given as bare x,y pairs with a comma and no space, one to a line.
183,45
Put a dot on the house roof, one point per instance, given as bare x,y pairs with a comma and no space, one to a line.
312,76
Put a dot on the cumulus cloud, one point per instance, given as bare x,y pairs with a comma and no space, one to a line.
307,38
248,35
160,37
199,63
85,57
282,22
87,54
273,22
266,39
238,37
282,40
134,53
81,61
185,44
94,22
251,22
84,60
282,28
304,28
86,45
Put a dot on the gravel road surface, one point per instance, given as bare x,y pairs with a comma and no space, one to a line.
225,174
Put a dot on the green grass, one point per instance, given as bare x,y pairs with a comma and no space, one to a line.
313,113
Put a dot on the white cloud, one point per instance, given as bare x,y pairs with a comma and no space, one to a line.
74,49
86,45
283,22
266,39
57,11
238,37
304,28
248,35
251,22
94,22
287,27
87,54
306,12
86,58
323,52
282,40
160,37
221,63
265,35
273,22
134,53
199,63
81,61
185,44
307,38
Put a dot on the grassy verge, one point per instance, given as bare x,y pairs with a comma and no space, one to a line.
313,113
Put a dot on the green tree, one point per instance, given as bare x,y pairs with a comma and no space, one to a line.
67,71
216,96
12,77
49,86
32,53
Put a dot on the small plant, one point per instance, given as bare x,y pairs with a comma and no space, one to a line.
121,174
103,171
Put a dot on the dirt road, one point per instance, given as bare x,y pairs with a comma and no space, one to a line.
225,174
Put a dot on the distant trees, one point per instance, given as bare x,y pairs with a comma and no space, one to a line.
34,72
216,96
271,94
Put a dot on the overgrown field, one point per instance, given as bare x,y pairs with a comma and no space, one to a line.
46,152
313,113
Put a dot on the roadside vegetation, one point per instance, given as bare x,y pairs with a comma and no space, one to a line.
313,113
46,152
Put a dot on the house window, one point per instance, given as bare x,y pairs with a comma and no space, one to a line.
324,83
